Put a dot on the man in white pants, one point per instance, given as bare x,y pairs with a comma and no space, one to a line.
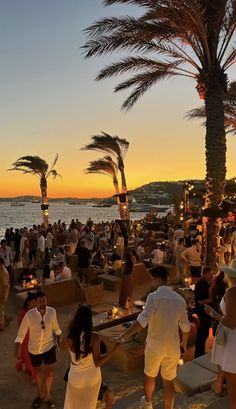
165,311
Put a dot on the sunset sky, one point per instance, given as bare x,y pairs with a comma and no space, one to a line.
51,104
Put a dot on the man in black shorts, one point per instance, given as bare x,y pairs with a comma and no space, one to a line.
42,324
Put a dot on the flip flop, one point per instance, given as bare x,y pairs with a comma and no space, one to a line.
37,402
50,403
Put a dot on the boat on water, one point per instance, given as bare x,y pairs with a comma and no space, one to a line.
76,202
102,205
17,204
162,210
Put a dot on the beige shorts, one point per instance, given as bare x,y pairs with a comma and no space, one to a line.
154,363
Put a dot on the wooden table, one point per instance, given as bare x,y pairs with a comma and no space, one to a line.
19,289
102,321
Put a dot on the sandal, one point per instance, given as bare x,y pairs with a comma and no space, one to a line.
37,402
50,403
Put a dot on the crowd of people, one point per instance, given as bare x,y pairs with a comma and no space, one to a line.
115,248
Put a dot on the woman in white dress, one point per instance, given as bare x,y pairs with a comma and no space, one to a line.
225,355
84,378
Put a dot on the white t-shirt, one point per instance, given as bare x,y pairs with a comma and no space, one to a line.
24,244
140,251
178,234
41,243
66,273
192,255
157,256
49,239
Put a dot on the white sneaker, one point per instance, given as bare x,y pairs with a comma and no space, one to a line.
146,405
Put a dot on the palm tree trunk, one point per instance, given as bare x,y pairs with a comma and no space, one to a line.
125,206
44,205
215,163
121,206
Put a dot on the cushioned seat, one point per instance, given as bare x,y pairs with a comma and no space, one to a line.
63,292
141,274
110,282
130,356
205,362
192,378
72,263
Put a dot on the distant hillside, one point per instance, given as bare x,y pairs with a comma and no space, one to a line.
158,192
153,193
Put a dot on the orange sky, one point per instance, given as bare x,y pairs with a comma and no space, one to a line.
51,104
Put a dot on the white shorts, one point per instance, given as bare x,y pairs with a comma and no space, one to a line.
155,362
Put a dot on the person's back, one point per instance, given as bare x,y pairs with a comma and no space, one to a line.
158,256
84,256
163,331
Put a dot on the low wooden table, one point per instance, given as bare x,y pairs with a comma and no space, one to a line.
102,321
19,289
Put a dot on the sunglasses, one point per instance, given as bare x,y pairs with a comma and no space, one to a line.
42,324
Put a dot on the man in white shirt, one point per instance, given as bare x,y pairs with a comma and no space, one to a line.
62,272
140,251
73,238
157,255
178,234
42,324
192,256
49,240
24,246
165,311
40,250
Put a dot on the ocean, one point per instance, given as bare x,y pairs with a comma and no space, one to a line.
30,213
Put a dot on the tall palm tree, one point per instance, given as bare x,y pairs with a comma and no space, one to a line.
117,147
190,38
38,167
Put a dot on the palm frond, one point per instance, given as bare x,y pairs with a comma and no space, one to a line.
142,82
112,145
229,109
198,33
54,174
135,64
54,162
31,164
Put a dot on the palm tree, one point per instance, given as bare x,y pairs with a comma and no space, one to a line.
190,38
38,167
106,166
229,106
117,147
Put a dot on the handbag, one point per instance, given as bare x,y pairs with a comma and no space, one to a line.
221,335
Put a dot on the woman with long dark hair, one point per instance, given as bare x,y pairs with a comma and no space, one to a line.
84,378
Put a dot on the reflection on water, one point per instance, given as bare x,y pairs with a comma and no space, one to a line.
20,216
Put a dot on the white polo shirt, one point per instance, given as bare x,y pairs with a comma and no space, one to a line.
165,311
40,340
